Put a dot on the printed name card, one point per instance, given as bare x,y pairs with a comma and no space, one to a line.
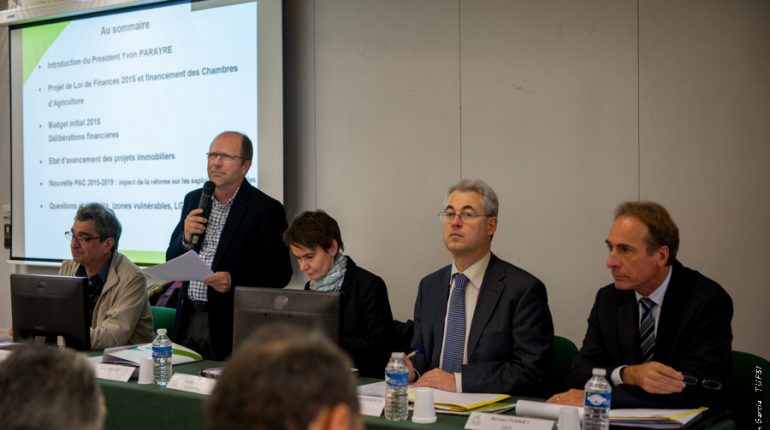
371,406
113,372
482,421
191,383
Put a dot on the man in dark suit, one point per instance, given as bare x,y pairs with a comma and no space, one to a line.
661,331
239,238
480,324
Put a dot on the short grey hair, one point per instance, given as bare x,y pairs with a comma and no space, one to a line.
478,186
46,388
105,221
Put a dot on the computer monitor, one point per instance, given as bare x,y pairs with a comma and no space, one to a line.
308,309
46,306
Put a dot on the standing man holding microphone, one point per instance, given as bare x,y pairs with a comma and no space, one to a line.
238,234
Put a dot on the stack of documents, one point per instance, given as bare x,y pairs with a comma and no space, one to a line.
640,418
132,354
447,402
465,403
654,418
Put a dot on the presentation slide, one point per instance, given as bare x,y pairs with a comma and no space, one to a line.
120,109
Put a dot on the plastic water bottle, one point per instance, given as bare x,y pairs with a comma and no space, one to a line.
161,358
397,380
598,394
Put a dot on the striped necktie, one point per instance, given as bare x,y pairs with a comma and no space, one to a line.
454,340
647,329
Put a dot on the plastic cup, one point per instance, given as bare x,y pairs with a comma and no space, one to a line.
424,411
146,375
569,419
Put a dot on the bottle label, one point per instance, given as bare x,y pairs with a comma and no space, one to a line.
397,379
598,400
161,352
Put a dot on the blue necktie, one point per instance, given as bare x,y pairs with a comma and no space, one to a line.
647,329
454,340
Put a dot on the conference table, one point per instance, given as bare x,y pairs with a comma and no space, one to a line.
131,406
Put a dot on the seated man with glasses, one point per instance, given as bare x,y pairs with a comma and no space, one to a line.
481,324
238,235
117,297
661,331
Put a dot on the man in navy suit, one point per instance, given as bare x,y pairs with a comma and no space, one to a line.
661,331
480,324
240,239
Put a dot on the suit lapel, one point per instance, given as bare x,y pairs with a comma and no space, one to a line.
670,315
628,327
234,218
443,300
489,294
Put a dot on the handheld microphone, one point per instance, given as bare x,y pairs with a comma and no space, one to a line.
204,203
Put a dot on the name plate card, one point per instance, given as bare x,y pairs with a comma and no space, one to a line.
113,372
482,421
191,383
371,406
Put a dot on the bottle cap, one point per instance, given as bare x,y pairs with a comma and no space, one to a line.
599,372
396,355
161,331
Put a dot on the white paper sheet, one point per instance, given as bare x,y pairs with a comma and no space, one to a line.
191,383
186,267
376,389
549,411
371,406
482,421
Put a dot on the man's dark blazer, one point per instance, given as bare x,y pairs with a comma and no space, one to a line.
510,335
366,320
693,337
250,248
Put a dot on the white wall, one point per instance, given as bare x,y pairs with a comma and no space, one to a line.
705,143
565,108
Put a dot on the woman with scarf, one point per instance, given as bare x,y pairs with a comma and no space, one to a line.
366,321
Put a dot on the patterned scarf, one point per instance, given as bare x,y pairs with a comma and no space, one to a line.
333,279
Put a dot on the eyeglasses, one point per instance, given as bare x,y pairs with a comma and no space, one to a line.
79,239
466,216
708,384
222,155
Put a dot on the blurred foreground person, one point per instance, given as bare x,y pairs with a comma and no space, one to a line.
283,378
43,388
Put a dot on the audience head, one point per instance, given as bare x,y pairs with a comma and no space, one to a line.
470,220
642,242
314,238
43,388
285,378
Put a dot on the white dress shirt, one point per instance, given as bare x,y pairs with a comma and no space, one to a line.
657,297
475,275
